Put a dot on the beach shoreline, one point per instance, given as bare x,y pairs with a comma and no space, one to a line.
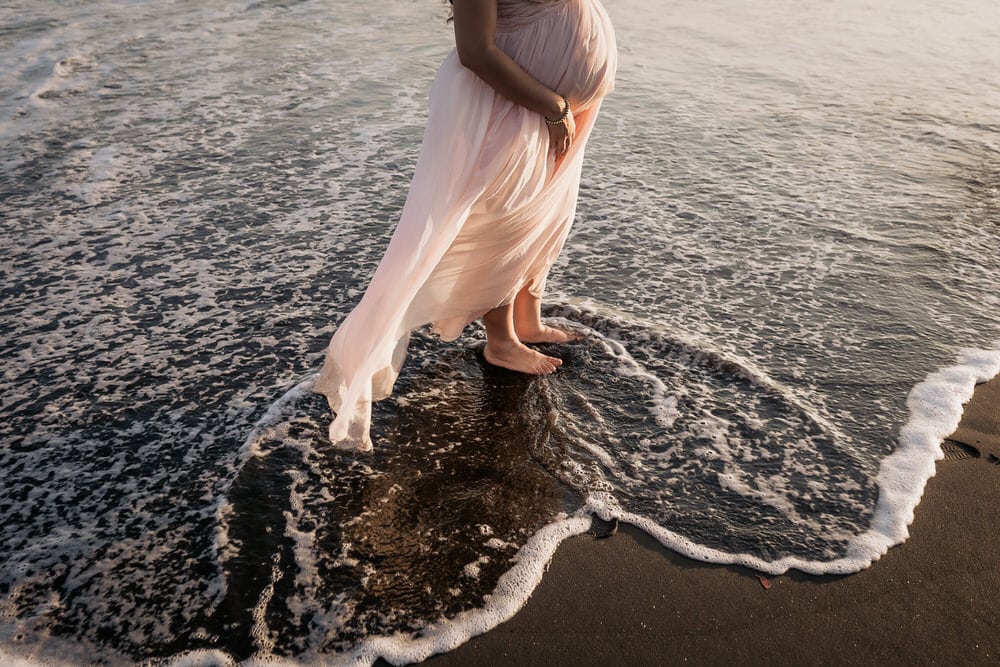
629,600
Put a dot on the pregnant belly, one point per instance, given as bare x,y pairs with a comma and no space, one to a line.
569,45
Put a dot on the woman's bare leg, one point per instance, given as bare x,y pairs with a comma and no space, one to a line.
528,321
504,348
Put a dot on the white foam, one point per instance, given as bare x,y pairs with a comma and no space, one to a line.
263,636
12,660
53,652
275,416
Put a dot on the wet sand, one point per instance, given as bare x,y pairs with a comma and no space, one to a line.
933,599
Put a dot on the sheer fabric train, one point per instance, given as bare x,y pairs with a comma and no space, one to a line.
488,210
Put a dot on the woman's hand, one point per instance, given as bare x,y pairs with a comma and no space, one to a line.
475,29
561,135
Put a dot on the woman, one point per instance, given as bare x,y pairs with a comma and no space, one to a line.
491,202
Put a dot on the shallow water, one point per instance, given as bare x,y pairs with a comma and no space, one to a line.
788,220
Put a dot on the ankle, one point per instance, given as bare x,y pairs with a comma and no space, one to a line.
502,344
529,329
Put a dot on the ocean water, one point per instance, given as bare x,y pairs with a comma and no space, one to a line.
785,262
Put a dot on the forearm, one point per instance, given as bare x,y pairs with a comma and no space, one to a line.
475,24
508,78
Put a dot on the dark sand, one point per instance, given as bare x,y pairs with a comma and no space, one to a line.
933,600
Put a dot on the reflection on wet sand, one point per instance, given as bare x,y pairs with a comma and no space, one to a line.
486,437
422,527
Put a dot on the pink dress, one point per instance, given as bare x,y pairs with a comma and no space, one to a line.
487,212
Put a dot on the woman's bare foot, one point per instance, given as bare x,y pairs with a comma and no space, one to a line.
516,356
546,334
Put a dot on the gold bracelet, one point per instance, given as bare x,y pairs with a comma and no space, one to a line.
562,116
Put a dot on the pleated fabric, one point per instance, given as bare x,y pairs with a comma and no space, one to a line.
488,209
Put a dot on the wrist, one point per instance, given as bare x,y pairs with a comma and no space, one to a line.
559,118
553,105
